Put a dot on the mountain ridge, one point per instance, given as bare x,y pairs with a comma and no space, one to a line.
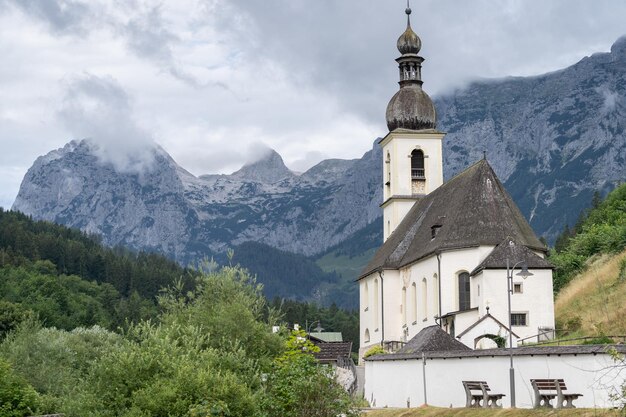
553,140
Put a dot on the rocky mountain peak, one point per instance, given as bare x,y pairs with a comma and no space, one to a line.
269,169
618,50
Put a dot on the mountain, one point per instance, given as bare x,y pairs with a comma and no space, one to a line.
552,139
167,209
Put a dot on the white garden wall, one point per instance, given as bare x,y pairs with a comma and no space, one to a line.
394,383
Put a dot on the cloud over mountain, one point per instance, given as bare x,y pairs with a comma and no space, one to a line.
99,109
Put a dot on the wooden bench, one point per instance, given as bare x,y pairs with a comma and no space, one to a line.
548,389
483,398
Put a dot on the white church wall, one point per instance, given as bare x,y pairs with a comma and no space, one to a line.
391,383
464,320
397,148
453,263
400,145
426,305
488,326
393,213
536,299
393,305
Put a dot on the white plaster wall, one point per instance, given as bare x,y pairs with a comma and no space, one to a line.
487,326
464,320
453,263
398,171
536,299
425,269
393,303
390,383
369,317
393,213
400,146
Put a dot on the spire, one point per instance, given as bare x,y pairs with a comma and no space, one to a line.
410,108
408,14
409,42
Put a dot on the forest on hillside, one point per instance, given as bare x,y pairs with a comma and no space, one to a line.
93,331
599,230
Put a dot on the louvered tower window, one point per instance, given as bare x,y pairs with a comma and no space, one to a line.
418,177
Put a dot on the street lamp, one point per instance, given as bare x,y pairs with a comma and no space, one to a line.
524,273
318,328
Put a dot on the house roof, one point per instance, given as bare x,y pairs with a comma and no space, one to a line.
327,336
330,351
473,209
508,249
431,339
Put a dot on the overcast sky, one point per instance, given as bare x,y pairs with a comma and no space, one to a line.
214,81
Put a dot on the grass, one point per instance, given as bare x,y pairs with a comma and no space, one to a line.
348,268
593,302
474,412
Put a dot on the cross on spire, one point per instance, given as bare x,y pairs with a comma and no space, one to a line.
408,13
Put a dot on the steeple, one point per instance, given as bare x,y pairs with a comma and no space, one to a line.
410,108
412,151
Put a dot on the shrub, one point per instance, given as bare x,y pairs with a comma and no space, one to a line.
17,397
374,350
300,387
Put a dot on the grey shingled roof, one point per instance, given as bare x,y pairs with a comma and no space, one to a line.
473,209
508,249
432,339
520,351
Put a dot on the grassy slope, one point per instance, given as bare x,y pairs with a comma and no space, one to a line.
594,299
348,268
473,412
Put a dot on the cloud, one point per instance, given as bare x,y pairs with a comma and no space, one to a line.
611,99
140,25
61,16
97,108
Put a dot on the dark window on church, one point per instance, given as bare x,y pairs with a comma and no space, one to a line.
434,230
518,319
464,291
417,164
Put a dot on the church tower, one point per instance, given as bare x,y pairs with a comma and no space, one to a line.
412,150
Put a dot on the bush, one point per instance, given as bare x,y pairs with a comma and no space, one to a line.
601,340
602,230
17,398
298,386
374,350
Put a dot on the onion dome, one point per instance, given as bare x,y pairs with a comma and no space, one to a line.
410,108
409,42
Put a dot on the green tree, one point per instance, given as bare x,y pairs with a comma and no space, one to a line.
11,315
17,397
298,386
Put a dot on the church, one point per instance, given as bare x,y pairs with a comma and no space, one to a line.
456,254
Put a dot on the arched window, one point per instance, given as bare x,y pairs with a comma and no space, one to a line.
414,304
424,299
366,297
464,291
375,303
388,170
367,335
417,165
403,305
436,294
